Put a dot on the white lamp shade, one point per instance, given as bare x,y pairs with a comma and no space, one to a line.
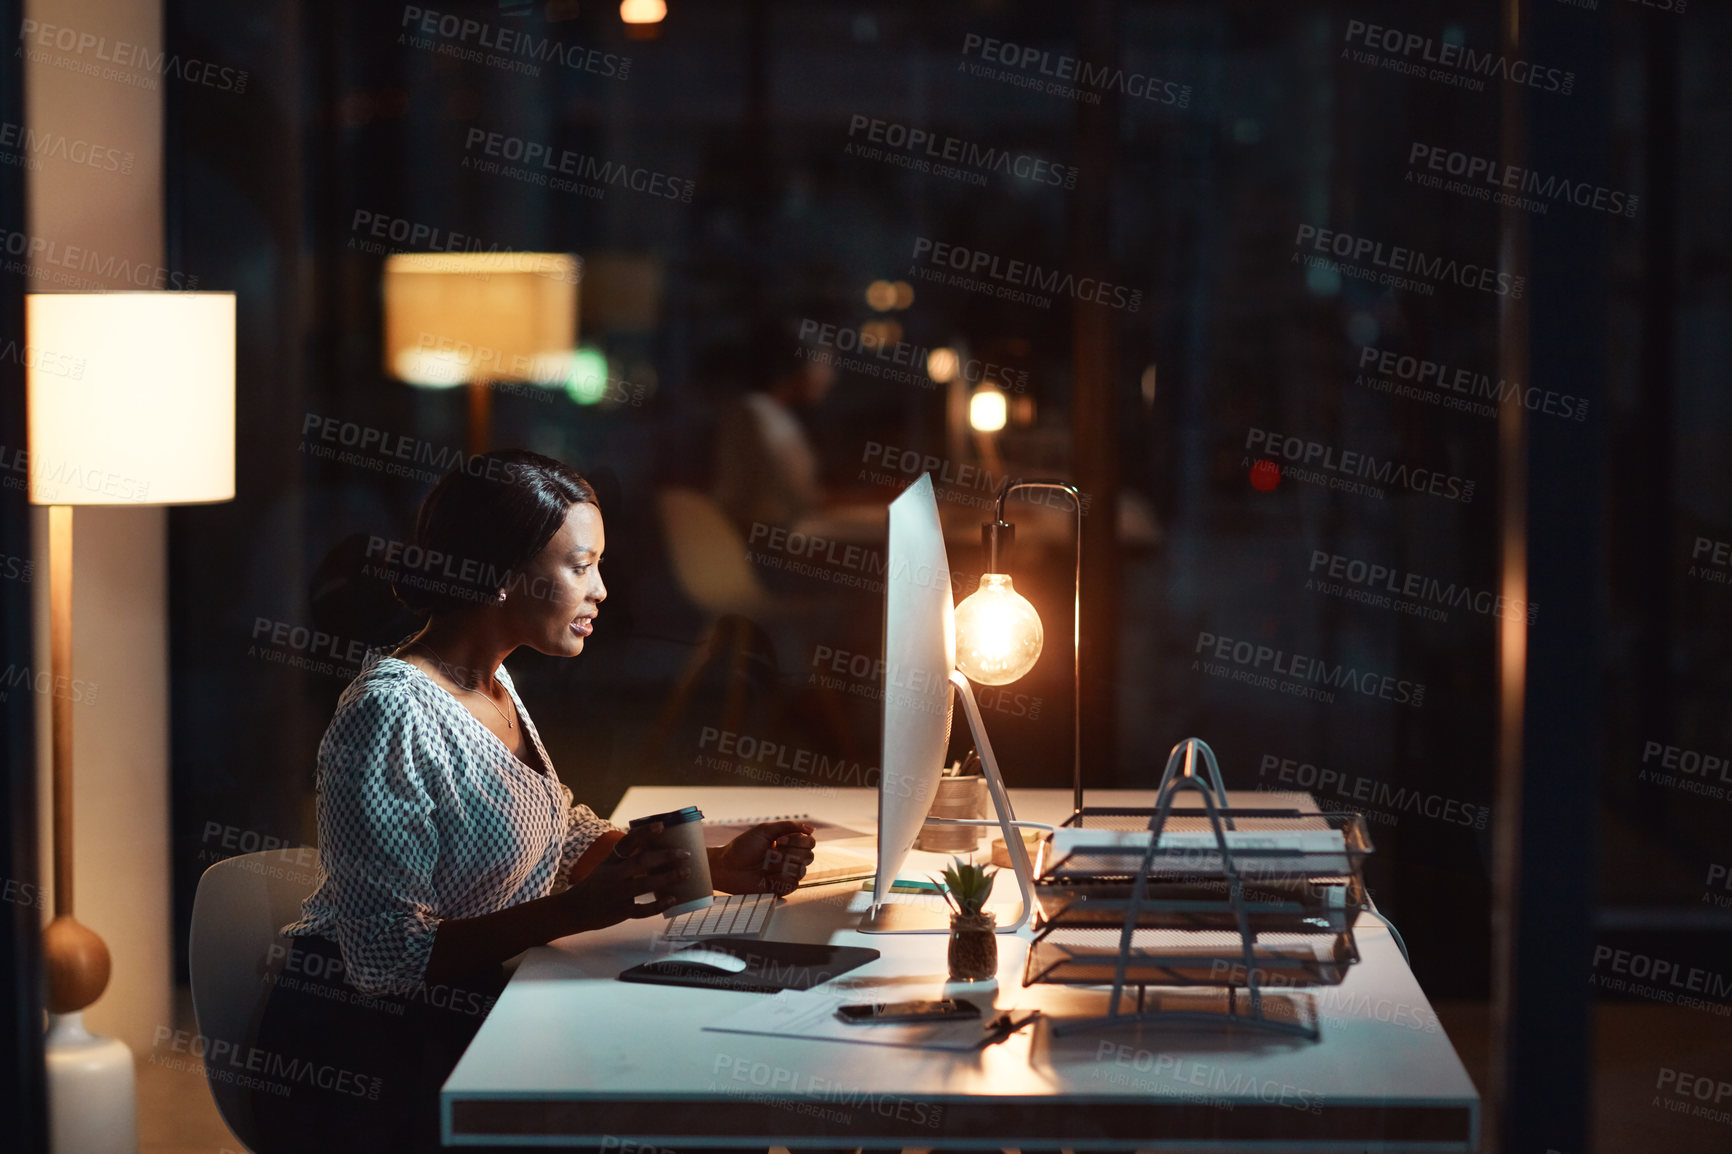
131,397
463,317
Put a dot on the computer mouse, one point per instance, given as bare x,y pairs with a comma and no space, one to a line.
699,959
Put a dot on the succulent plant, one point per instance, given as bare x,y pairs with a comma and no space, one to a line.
966,887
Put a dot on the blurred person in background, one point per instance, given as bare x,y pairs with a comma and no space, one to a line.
767,470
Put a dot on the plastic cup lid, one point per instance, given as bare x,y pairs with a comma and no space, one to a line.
673,817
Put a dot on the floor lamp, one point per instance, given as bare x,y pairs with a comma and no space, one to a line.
131,399
478,319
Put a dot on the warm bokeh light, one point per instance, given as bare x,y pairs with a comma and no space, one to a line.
998,633
881,295
904,294
643,11
884,331
941,365
987,410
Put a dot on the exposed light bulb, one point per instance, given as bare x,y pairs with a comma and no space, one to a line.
998,633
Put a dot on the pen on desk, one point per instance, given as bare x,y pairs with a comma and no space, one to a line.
1002,1027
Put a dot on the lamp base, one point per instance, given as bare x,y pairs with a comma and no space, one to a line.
90,1090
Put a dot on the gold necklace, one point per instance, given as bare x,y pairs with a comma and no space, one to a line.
447,667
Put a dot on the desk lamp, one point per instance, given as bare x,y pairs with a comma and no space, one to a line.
477,318
998,633
149,421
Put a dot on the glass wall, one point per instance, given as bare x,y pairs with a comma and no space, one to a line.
1242,272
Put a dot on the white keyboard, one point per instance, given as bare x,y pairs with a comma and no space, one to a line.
729,916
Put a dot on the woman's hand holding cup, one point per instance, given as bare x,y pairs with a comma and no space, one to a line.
608,893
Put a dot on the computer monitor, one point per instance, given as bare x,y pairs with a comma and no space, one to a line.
919,680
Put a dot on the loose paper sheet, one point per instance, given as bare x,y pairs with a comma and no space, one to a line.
812,1014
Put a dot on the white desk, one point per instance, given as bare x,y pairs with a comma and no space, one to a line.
570,1056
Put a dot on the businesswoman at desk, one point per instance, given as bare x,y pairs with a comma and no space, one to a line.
447,843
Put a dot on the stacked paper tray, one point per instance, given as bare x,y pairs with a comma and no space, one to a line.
1091,956
1295,887
1304,905
1266,843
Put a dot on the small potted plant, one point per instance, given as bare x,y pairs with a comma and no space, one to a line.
973,931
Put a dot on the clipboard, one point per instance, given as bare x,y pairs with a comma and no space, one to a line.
770,966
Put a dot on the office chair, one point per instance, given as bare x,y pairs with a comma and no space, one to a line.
709,562
235,953
709,556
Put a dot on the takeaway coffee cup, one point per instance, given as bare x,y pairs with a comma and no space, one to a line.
684,829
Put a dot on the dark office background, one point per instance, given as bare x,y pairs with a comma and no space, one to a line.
1157,413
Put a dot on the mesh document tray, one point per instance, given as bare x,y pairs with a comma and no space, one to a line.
1308,905
1299,889
1199,896
1299,871
1090,957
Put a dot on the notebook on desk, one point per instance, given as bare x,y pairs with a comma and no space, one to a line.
842,854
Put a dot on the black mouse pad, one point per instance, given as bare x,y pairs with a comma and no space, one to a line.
770,966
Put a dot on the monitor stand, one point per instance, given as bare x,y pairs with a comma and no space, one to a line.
910,918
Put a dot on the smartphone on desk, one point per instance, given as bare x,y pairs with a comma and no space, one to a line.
884,1013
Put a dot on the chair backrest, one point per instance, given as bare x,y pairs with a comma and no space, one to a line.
235,953
708,554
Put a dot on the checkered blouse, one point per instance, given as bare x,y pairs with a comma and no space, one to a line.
425,814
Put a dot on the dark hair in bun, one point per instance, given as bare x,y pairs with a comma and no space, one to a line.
481,524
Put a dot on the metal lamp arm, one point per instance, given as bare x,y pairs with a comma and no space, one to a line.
1004,491
1019,862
